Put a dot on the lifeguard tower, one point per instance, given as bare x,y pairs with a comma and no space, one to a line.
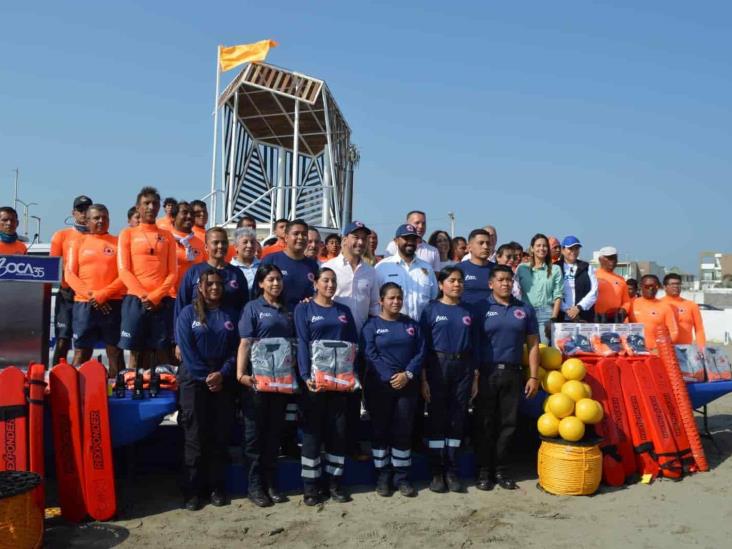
285,151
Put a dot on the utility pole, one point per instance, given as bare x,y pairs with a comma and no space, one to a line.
15,194
451,215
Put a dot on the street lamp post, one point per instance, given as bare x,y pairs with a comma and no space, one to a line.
26,207
38,227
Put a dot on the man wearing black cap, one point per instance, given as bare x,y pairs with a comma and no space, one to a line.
64,305
580,284
415,276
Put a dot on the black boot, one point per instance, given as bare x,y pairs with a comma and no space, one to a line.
193,503
383,484
485,481
272,491
338,493
438,482
218,498
259,497
454,483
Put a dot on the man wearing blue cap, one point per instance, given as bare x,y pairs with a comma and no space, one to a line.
425,252
358,287
580,284
415,276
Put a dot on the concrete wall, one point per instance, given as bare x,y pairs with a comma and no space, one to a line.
718,326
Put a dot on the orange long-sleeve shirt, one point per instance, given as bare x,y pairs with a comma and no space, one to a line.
91,268
146,261
16,248
653,313
689,320
200,232
60,242
165,222
612,292
273,248
200,255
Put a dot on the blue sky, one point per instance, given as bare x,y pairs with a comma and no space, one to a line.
611,122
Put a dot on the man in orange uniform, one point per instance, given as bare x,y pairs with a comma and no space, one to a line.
687,312
147,266
9,243
613,299
64,305
280,245
189,249
91,271
168,218
200,218
652,312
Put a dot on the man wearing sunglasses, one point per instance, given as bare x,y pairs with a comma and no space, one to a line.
613,299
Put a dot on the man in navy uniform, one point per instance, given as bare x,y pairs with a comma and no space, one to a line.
504,324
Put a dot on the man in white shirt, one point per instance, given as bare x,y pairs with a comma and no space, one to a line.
580,284
245,241
425,252
415,276
358,286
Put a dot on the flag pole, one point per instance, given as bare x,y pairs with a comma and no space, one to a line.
213,195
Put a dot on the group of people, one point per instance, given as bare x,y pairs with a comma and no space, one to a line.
438,323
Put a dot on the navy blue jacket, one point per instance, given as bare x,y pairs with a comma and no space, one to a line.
393,346
208,347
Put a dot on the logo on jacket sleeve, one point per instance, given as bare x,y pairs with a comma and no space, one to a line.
311,277
410,330
343,319
467,320
229,325
234,284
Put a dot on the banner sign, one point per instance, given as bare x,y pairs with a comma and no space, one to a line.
28,268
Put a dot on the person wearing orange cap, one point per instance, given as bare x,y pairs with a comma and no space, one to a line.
652,312
613,299
91,271
9,243
687,312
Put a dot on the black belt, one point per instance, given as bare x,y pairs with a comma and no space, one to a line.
506,366
451,356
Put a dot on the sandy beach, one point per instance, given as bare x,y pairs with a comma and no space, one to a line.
694,512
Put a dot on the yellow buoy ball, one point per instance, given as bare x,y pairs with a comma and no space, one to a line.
574,368
560,405
545,406
588,389
553,382
551,358
574,390
548,425
571,429
588,411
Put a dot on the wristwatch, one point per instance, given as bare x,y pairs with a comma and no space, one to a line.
410,375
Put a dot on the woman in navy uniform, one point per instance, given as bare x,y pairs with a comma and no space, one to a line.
206,334
323,412
449,379
394,350
264,412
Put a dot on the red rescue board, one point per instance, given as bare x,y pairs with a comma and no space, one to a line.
13,420
99,489
36,394
66,423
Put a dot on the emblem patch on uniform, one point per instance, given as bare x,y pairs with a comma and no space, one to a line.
229,325
410,227
410,330
682,310
108,251
234,284
467,320
519,313
343,319
311,277
161,238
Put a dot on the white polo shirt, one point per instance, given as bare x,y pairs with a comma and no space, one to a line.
357,289
417,280
424,251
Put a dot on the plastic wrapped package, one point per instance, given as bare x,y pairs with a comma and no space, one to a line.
717,364
691,362
333,365
273,365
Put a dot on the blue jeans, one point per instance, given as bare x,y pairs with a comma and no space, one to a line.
543,316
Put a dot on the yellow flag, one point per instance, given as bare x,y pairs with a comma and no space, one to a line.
233,56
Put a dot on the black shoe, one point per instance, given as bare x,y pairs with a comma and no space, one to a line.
218,498
407,490
338,493
259,498
454,483
193,503
290,449
276,496
485,482
438,483
311,500
505,482
383,485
